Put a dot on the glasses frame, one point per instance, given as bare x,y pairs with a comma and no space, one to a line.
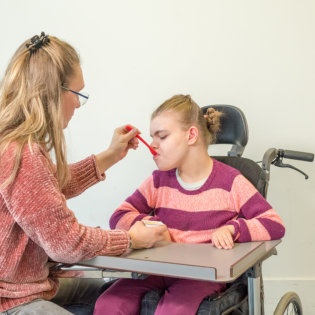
85,97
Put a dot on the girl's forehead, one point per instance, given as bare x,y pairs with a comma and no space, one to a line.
166,121
167,116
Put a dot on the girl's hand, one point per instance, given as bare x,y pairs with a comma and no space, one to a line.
146,237
122,141
222,237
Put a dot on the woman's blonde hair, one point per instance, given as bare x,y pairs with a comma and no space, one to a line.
30,101
190,114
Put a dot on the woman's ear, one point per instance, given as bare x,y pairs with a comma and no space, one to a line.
193,134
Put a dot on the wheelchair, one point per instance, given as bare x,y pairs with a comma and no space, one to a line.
238,297
244,295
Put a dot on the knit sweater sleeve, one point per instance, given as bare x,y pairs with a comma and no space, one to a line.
256,220
137,207
39,208
84,174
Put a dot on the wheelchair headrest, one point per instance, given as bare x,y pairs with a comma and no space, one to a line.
234,128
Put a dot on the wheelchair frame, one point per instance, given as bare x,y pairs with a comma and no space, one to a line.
235,132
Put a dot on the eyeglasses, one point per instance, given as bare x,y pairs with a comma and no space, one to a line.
83,97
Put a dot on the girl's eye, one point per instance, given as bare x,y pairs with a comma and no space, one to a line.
163,137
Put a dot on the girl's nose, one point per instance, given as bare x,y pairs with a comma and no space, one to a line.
154,144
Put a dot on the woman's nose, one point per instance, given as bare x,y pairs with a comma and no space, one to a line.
77,104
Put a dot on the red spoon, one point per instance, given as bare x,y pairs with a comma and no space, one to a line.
151,150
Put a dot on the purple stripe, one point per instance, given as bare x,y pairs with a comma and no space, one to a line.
222,176
193,221
116,217
139,202
275,229
165,179
244,232
254,206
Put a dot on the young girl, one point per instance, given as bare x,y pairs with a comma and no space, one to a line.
198,198
40,92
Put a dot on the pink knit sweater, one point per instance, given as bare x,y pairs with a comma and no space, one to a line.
35,223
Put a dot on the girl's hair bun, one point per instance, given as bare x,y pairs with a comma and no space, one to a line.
212,117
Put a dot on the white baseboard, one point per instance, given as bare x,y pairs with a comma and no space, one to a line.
275,288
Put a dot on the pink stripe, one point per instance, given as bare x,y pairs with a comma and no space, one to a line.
257,231
271,215
174,199
242,191
179,236
125,222
148,190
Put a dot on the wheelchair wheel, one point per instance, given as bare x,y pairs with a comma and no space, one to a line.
290,303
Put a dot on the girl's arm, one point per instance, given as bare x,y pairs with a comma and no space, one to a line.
256,220
137,207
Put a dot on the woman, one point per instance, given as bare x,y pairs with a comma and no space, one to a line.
39,94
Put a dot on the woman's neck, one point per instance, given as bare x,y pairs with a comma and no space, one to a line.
196,167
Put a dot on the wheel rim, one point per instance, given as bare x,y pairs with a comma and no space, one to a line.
292,309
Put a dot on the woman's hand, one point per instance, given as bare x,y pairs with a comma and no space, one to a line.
146,237
167,236
122,141
222,237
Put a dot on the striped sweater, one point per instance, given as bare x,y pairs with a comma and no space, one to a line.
35,223
226,198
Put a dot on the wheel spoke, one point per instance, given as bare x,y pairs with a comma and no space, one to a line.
289,304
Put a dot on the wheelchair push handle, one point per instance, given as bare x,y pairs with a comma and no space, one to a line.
296,155
293,155
275,157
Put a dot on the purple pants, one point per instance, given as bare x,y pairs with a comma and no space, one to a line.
181,296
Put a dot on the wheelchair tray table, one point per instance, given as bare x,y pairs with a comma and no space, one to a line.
190,261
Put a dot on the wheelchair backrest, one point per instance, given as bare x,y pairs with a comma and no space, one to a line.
234,130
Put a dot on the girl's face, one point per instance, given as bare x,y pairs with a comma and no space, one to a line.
69,100
169,140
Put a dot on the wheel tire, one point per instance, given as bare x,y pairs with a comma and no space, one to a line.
290,298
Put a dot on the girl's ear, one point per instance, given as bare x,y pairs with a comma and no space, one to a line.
193,135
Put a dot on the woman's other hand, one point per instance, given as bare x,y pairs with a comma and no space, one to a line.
222,237
122,141
146,237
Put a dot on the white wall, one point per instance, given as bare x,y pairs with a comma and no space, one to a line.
258,55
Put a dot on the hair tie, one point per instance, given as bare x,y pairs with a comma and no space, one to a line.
37,42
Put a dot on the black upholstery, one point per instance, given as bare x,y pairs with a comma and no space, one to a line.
234,129
250,169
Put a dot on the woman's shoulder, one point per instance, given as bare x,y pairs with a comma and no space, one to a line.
29,152
30,157
34,150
